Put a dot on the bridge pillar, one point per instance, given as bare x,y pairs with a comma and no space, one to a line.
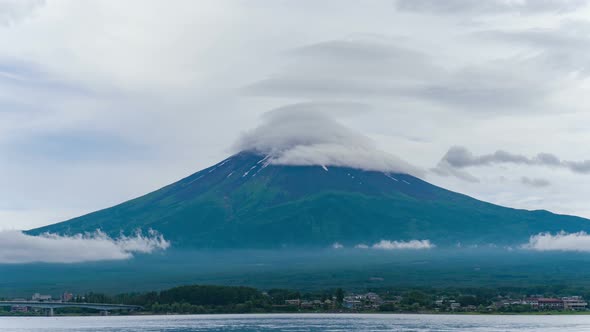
50,312
104,313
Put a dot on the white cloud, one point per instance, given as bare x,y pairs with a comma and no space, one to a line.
337,245
559,242
306,135
17,247
395,245
361,246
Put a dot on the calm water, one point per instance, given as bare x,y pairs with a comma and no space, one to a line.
300,323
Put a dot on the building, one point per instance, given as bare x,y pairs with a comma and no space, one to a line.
574,303
368,301
39,297
18,308
67,297
373,298
550,303
544,303
296,302
306,305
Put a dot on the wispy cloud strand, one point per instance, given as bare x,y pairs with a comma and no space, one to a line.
459,157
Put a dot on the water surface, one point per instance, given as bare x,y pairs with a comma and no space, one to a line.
299,323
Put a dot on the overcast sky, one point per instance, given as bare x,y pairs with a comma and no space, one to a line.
102,101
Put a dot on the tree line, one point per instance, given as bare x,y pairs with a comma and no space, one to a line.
210,299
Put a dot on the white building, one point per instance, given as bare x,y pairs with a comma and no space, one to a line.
39,297
574,303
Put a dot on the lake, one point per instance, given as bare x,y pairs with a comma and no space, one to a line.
299,323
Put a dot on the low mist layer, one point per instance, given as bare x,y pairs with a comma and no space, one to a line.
17,247
562,241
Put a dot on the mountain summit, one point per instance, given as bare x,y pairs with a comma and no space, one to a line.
246,201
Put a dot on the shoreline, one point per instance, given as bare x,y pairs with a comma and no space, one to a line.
532,313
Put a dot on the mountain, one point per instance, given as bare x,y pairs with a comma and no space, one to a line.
246,202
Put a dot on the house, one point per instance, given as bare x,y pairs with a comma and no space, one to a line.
307,304
373,298
295,302
18,308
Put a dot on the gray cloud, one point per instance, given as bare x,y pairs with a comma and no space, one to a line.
535,182
363,69
13,11
303,134
489,7
18,248
561,50
362,58
460,157
355,50
444,169
348,69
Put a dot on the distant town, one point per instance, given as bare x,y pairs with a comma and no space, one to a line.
26,305
372,302
207,299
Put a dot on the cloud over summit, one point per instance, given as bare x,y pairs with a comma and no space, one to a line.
304,136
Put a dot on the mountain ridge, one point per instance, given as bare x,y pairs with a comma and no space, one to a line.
245,201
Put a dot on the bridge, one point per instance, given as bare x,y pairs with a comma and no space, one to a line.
104,308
